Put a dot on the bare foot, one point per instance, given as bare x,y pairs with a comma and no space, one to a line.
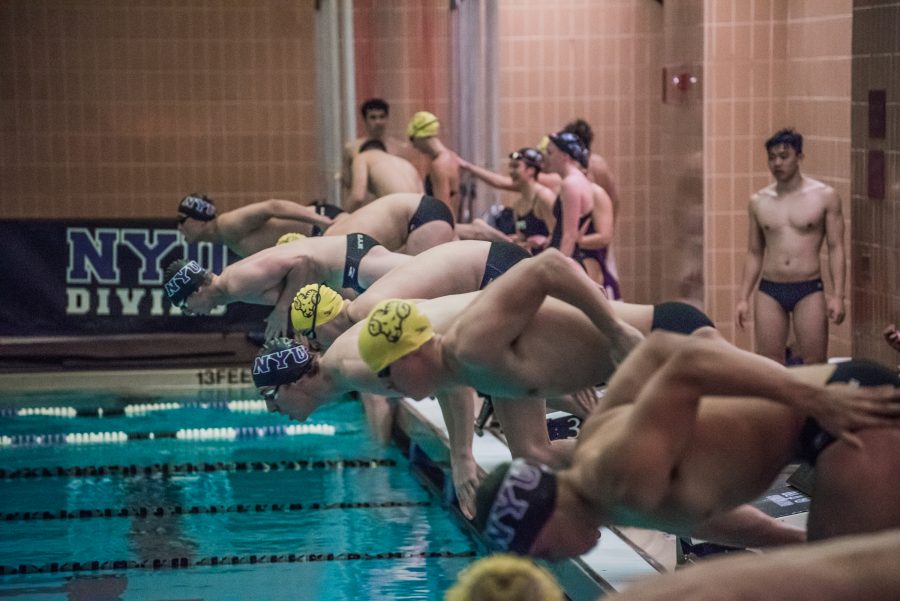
892,337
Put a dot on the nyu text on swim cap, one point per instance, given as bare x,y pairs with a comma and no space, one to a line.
393,329
198,206
314,304
280,361
572,145
289,237
522,503
423,125
186,277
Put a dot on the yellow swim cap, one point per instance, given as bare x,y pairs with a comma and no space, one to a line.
542,145
505,577
394,328
289,237
313,305
423,125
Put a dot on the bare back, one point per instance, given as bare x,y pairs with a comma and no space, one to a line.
734,451
386,219
560,351
390,174
451,268
793,228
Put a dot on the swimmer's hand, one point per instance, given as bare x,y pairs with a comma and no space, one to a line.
465,481
836,309
843,409
586,400
276,323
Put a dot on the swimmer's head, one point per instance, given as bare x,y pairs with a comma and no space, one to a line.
542,145
314,305
374,104
289,237
183,278
531,157
280,361
423,125
393,329
504,577
572,145
372,145
788,137
514,503
582,129
196,206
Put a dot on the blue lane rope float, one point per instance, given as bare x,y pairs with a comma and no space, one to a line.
178,510
224,560
139,471
225,433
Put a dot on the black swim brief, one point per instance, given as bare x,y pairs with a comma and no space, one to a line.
430,209
328,211
813,438
501,256
358,245
679,317
788,294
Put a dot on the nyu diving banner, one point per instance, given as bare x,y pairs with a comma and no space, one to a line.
70,277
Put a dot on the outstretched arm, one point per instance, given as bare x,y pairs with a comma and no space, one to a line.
665,407
299,275
479,230
359,184
458,408
505,308
495,180
834,238
286,209
858,568
752,268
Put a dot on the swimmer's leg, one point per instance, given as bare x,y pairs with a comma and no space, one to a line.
524,423
770,327
811,328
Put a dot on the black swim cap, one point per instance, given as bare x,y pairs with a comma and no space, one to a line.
198,206
514,502
182,279
532,157
280,361
572,145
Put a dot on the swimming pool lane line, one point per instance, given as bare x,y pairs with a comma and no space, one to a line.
132,470
179,510
221,561
223,433
135,410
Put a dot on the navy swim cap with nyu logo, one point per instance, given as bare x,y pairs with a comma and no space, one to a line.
182,279
281,361
197,206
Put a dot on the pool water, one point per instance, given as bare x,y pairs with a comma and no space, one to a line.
242,508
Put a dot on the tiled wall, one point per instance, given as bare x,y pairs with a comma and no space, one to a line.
769,64
403,55
119,109
599,61
876,223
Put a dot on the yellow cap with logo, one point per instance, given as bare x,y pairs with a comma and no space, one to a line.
423,125
289,237
393,329
314,304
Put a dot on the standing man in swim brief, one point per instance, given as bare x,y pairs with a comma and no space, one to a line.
272,276
247,229
442,180
377,173
693,429
405,222
789,220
